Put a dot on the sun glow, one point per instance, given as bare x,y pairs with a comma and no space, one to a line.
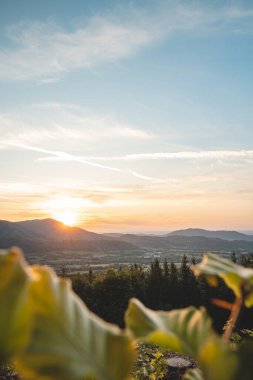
67,210
69,218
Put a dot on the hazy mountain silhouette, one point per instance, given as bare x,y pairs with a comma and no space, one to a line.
53,229
226,235
49,234
46,229
177,241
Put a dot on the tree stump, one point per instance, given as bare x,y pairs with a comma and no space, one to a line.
176,362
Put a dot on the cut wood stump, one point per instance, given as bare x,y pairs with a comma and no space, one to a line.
179,363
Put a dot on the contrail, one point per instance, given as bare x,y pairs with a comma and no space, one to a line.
185,155
62,156
145,178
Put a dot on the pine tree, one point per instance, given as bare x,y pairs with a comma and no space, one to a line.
187,280
174,286
154,285
91,276
138,282
233,257
166,286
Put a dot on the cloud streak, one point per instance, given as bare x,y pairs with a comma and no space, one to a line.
145,178
66,157
190,155
61,156
44,51
64,124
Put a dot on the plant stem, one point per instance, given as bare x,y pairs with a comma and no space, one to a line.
233,318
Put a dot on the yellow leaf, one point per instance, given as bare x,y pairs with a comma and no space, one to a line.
236,277
187,331
68,341
15,312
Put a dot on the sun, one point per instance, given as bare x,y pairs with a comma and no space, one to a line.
64,209
66,217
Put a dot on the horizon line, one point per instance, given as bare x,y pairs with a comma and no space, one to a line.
149,231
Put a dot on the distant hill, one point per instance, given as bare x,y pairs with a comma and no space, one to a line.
186,242
41,235
46,229
112,234
53,229
226,235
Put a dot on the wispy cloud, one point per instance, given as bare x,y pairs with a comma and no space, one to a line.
62,156
191,155
208,154
221,156
64,124
145,177
66,157
45,50
41,127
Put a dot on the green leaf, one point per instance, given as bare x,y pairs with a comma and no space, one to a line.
68,341
186,331
238,278
179,330
15,315
193,374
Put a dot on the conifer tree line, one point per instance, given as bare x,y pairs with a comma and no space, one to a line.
164,286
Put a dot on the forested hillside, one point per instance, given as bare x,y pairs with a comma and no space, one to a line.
164,286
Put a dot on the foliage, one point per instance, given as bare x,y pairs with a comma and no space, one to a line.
186,331
151,364
238,278
50,333
8,372
15,316
239,337
63,339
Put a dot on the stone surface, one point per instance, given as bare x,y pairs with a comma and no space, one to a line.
177,362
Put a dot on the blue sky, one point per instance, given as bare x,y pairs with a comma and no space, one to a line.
127,115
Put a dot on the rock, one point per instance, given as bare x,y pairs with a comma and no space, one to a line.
177,362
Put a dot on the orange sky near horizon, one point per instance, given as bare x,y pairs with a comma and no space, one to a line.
137,210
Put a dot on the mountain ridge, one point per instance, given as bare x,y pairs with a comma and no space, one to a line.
220,234
48,234
45,229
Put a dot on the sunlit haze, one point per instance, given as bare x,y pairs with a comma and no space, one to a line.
127,115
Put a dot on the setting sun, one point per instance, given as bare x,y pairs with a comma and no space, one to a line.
65,209
68,218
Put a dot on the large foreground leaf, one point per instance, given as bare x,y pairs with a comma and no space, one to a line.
15,316
186,331
193,374
180,330
68,341
238,278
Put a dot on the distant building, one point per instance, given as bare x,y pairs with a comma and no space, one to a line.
152,255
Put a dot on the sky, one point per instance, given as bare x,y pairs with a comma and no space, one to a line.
127,115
